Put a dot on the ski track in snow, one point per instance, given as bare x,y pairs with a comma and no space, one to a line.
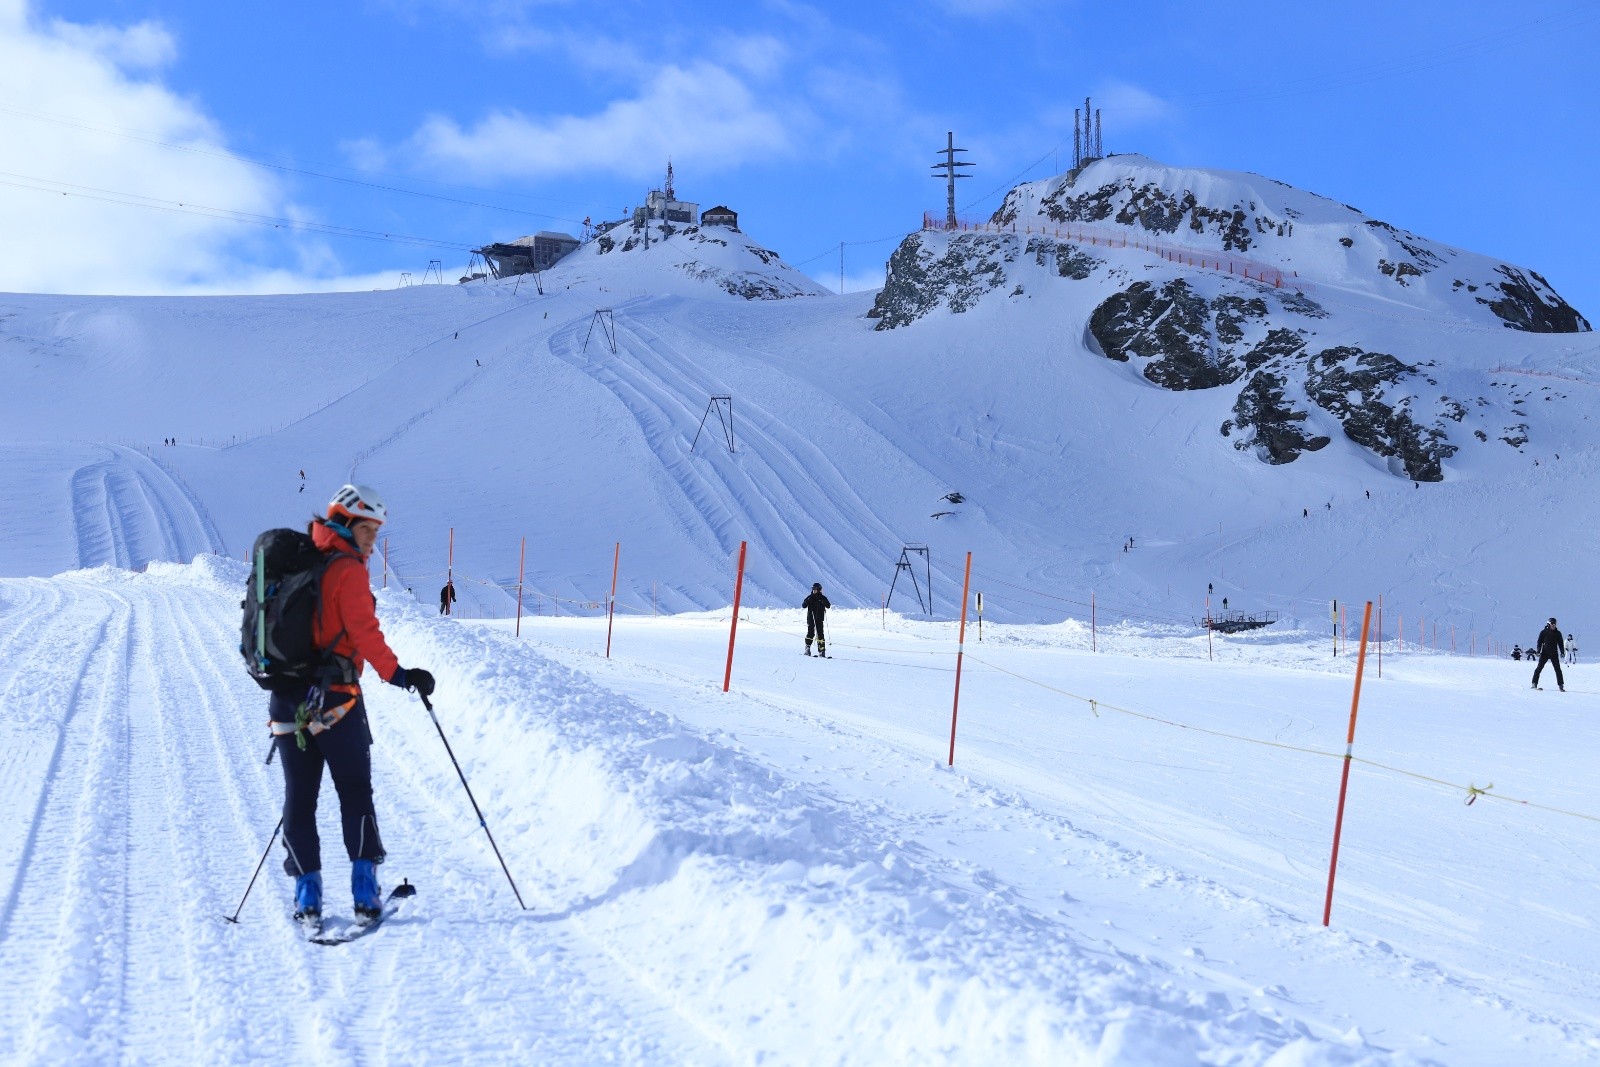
814,889
138,831
800,504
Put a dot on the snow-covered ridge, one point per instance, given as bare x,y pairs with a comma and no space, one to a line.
682,258
1306,350
1321,240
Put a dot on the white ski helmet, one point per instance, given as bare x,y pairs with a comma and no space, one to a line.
355,502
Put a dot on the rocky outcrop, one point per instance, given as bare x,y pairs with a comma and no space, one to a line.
1189,342
1528,303
923,276
1170,327
1268,424
1148,207
1355,386
918,280
1070,260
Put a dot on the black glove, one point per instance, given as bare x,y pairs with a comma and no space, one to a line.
415,678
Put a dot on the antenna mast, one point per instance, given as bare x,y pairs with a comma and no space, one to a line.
947,170
671,193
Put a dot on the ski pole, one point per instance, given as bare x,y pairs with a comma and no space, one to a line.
427,704
253,877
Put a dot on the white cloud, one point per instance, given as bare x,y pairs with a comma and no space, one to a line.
143,46
78,82
701,113
1132,106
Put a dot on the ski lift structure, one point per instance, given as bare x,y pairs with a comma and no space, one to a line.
908,567
1232,622
717,404
608,328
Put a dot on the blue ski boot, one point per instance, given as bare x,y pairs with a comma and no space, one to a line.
364,887
308,897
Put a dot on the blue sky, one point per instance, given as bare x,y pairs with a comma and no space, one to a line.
1471,123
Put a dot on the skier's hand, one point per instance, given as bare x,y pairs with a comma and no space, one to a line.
414,678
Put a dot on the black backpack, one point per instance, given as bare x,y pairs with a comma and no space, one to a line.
280,610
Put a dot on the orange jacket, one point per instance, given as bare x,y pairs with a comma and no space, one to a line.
348,608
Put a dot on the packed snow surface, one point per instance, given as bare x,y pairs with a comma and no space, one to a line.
790,871
1126,863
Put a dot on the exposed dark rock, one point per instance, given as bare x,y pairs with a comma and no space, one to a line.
1170,327
1532,305
918,281
1415,246
1280,343
1155,209
1399,271
1301,304
1277,435
1232,312
1352,385
1071,260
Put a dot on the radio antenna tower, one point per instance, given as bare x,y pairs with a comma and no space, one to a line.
671,193
947,170
1086,146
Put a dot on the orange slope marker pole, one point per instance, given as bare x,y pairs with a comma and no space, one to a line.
733,630
611,608
1344,777
522,559
961,644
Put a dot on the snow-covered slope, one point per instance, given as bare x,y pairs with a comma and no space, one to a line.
788,873
1318,321
1277,441
1127,868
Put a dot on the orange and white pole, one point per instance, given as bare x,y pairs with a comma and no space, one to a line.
611,606
1344,778
961,645
733,630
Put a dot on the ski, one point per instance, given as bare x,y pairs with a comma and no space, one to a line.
310,926
363,928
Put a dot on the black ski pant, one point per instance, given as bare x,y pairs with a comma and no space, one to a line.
1554,661
814,629
346,750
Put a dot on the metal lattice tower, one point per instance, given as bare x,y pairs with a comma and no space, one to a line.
1086,142
947,170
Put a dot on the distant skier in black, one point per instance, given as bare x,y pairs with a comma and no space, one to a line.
816,606
447,596
1551,649
1516,653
